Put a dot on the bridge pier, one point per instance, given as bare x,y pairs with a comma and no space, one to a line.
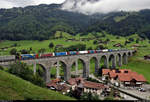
125,59
57,70
97,66
34,70
114,62
76,65
67,74
86,69
47,76
120,61
106,63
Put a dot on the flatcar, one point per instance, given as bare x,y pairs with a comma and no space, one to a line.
83,52
7,58
91,51
110,50
28,56
72,53
105,50
98,51
60,53
46,55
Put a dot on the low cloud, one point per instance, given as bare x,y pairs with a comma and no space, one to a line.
105,6
23,3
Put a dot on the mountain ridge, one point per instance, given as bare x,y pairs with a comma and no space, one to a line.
42,21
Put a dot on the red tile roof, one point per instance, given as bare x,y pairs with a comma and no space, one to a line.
52,84
139,78
112,74
89,84
74,81
130,76
63,87
123,70
105,71
56,80
122,76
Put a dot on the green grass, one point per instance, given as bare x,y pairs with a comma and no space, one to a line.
14,88
120,18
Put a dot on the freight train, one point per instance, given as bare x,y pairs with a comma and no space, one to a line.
37,56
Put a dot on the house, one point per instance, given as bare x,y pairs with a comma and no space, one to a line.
52,85
74,81
147,57
135,45
117,45
57,85
86,86
124,77
64,88
134,80
59,45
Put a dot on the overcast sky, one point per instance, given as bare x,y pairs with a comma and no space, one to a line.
105,6
23,3
84,6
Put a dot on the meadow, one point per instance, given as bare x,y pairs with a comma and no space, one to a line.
15,88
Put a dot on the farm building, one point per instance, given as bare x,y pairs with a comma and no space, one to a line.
147,57
123,77
87,86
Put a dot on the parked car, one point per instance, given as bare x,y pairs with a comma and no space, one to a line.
142,89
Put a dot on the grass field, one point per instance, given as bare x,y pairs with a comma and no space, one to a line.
14,88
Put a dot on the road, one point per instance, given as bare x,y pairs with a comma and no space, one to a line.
126,97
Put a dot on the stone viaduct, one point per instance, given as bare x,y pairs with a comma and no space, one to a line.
68,61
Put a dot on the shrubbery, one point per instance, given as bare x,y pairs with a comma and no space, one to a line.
22,70
1,68
89,96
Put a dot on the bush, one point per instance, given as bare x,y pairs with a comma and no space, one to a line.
117,37
90,48
78,47
95,42
24,51
51,45
131,39
13,51
1,68
109,98
22,70
15,45
42,50
92,80
107,40
37,80
137,40
100,47
89,96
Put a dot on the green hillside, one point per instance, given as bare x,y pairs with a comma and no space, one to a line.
14,88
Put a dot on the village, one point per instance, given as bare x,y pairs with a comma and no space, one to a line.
110,82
